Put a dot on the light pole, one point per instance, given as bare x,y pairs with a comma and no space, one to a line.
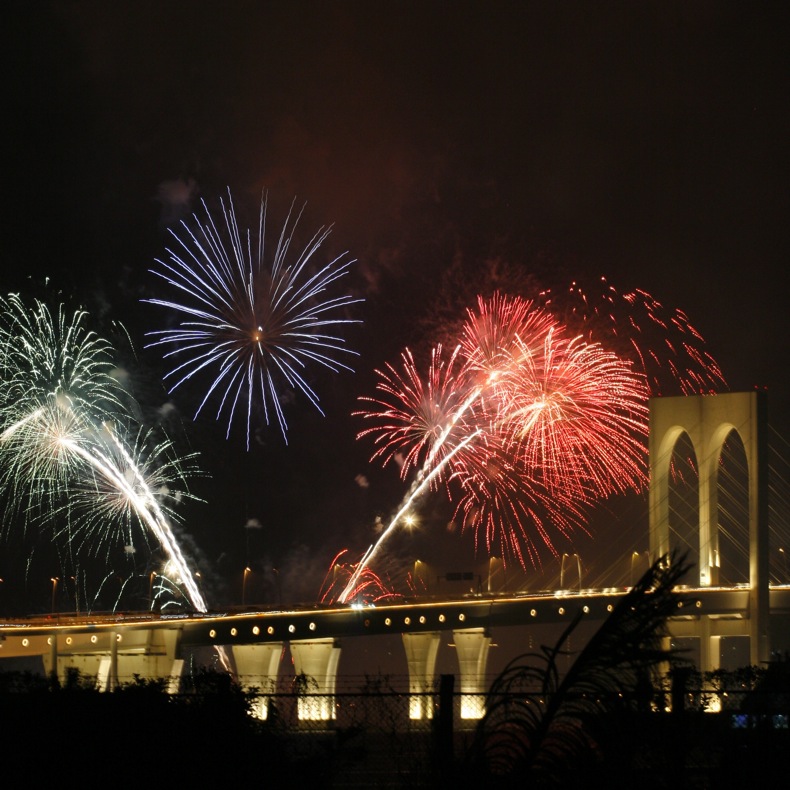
634,556
784,565
279,589
495,565
420,577
562,571
151,578
54,581
247,572
579,571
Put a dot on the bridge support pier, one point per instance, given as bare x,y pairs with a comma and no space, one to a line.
471,647
421,649
115,656
709,647
316,660
257,666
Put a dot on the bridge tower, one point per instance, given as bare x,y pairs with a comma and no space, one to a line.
708,420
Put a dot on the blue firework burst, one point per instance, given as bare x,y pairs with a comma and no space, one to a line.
251,322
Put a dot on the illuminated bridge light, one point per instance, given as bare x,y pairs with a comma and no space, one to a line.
387,621
26,642
422,619
94,639
407,620
49,641
699,604
270,630
586,609
533,612
233,632
441,618
69,640
255,630
212,634
118,638
291,628
312,625
609,608
462,617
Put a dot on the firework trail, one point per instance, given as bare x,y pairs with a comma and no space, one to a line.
59,451
523,426
251,326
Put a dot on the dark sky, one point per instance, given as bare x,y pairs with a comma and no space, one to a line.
643,142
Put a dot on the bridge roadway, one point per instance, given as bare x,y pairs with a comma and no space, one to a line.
115,647
83,632
418,614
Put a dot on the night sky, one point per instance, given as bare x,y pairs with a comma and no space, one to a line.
447,143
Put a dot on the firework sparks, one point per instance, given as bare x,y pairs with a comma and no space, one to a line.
250,327
59,454
524,425
368,587
661,342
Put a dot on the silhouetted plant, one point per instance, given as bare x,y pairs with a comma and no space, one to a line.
541,729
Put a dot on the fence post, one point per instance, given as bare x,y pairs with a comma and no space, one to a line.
444,722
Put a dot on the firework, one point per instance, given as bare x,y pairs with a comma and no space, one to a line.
368,587
58,355
414,418
577,415
62,450
251,325
524,425
661,342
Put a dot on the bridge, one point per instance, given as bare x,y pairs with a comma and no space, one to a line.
118,646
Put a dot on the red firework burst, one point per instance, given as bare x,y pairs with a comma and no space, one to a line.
661,342
368,588
526,426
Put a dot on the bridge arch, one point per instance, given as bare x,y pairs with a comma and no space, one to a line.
708,421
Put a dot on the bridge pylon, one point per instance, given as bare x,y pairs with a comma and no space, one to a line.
708,420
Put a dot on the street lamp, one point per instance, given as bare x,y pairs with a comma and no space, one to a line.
279,588
247,572
578,569
634,557
496,574
54,581
151,578
784,565
419,576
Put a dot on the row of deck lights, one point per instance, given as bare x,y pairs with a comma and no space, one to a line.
69,640
388,621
